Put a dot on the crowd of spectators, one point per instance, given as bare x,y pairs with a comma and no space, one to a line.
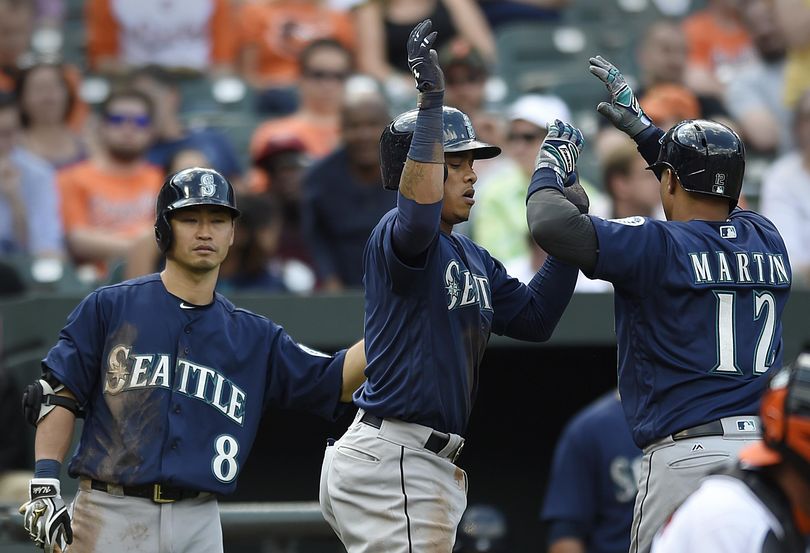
80,164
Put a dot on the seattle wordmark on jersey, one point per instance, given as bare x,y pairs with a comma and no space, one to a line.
127,370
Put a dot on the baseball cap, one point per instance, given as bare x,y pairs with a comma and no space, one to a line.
461,52
279,145
539,109
670,102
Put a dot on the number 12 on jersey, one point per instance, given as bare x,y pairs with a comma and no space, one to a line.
764,312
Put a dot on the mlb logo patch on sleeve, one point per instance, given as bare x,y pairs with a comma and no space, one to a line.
728,232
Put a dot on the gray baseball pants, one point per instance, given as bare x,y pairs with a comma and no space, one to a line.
383,492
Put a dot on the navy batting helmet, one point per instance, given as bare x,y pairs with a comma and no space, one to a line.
459,136
708,158
187,188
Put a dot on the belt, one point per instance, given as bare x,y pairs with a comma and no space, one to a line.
714,428
156,492
435,443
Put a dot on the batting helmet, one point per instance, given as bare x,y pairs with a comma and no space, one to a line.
187,188
459,136
708,158
785,416
482,529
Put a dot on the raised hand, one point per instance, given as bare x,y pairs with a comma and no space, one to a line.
560,151
45,515
423,60
623,110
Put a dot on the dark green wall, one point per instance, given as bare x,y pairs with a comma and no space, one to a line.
527,393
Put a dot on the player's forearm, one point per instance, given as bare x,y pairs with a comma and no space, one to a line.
423,175
648,145
561,230
354,366
55,433
96,245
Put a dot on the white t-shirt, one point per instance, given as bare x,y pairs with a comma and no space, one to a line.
722,516
785,200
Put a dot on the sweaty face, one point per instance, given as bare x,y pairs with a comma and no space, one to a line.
458,187
201,236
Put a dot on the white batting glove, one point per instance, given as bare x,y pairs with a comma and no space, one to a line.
45,515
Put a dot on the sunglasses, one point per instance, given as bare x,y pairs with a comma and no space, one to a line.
141,121
525,136
323,75
470,79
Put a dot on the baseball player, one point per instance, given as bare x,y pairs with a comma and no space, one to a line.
593,482
433,297
172,380
699,297
762,505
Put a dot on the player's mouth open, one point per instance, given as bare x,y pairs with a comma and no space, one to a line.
204,248
468,195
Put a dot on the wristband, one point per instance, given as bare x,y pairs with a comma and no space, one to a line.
47,468
544,177
427,142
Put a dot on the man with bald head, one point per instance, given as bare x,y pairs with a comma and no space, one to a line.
662,56
343,194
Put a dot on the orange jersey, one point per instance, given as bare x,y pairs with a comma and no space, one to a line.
122,205
712,45
279,32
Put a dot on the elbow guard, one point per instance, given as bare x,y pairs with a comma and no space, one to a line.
40,398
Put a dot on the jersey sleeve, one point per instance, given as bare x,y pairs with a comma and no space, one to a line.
530,312
302,378
400,276
75,360
571,492
630,252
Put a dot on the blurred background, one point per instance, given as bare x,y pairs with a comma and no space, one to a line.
100,99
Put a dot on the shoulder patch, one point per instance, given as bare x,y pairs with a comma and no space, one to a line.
633,221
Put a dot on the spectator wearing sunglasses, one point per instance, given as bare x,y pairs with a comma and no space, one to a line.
272,37
108,200
325,66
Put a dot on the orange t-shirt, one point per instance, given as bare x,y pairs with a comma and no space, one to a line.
712,45
318,140
123,205
279,31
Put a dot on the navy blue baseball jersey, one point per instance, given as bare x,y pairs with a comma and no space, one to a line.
698,306
174,392
594,479
426,327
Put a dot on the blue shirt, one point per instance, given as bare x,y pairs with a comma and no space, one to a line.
427,326
174,393
698,309
335,239
594,478
40,197
216,147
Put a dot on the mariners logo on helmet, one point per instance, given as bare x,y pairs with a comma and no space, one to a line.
207,186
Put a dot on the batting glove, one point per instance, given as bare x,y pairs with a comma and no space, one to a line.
560,150
423,60
45,515
623,110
